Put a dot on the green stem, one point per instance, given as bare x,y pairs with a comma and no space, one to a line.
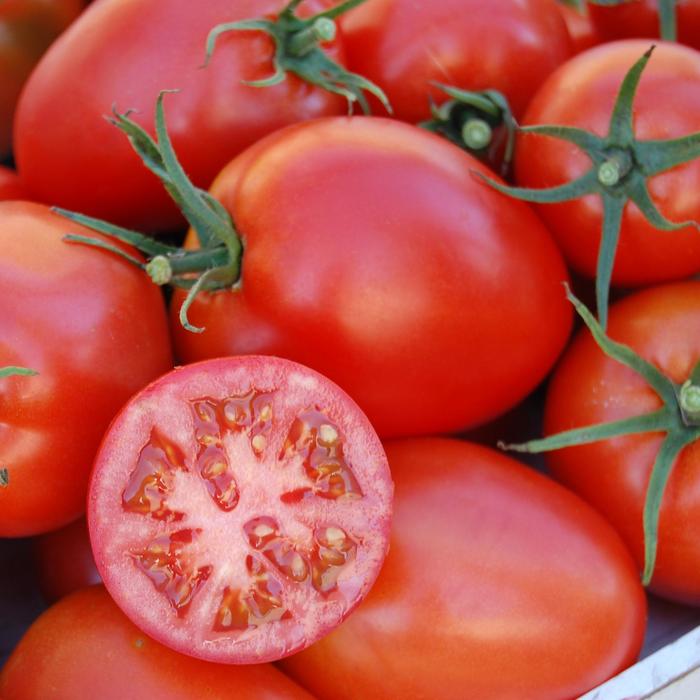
4,478
476,134
667,20
689,401
615,168
306,40
13,371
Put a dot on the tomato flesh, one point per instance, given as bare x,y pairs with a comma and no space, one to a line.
239,508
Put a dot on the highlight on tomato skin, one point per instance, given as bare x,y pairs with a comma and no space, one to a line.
499,583
239,508
84,646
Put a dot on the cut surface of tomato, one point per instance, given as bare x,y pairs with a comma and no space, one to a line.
240,508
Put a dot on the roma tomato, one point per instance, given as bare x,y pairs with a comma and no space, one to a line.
498,584
239,508
667,105
27,28
126,53
64,562
95,331
84,646
662,325
403,45
374,256
640,18
10,185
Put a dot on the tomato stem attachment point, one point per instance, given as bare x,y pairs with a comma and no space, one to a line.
689,400
476,134
614,169
160,270
304,41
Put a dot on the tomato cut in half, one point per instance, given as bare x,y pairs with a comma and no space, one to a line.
239,508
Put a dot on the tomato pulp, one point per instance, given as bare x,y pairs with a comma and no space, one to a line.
498,584
239,508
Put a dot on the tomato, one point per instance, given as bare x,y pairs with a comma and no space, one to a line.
94,329
64,561
662,324
403,45
580,25
667,105
10,185
239,508
84,646
125,53
498,584
27,28
374,256
640,18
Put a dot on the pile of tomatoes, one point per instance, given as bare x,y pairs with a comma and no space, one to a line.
287,456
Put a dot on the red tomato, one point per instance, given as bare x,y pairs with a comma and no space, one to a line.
581,94
374,256
126,53
403,45
94,329
27,28
498,584
640,18
239,508
580,25
662,324
10,185
85,647
64,561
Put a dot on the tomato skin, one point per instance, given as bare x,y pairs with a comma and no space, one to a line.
497,584
662,324
94,328
402,278
27,28
581,93
640,18
77,160
84,646
10,185
582,31
403,45
64,562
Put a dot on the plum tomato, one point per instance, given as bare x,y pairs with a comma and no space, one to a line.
85,647
94,330
239,508
373,255
499,584
404,45
125,53
63,561
662,325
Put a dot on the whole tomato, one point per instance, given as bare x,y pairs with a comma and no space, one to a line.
64,561
498,584
662,324
126,53
640,18
27,28
375,257
95,331
84,646
581,94
404,45
10,185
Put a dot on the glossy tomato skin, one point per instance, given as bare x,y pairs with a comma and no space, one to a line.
640,18
10,185
78,160
498,584
404,45
581,94
27,28
580,25
373,255
94,328
662,324
84,646
64,562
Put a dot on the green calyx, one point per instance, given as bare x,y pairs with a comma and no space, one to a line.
215,265
678,419
298,51
621,167
471,119
667,14
16,372
4,478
